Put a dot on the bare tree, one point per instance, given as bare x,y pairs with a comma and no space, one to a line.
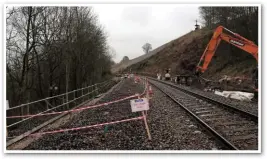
46,46
147,47
112,52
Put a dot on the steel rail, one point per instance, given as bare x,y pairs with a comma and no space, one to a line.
240,111
204,124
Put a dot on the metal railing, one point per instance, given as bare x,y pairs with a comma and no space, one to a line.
53,103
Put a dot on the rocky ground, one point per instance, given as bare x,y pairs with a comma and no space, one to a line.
171,128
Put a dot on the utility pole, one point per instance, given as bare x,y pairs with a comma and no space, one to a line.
196,26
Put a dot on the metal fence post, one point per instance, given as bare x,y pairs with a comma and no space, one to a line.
47,106
82,96
67,100
21,110
90,94
96,89
63,100
7,107
28,109
74,97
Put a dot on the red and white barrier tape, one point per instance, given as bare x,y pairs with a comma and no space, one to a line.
86,127
144,90
83,108
73,110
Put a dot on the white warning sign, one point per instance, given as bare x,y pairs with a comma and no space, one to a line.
139,104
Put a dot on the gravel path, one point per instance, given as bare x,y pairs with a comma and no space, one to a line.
171,128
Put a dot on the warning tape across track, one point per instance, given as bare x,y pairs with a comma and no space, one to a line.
79,109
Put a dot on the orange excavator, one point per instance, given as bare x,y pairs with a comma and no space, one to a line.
234,39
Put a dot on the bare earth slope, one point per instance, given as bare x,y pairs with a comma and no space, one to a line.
125,64
183,54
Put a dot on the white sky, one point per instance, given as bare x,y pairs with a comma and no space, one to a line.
130,26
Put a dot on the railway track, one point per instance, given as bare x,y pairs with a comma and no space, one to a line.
237,129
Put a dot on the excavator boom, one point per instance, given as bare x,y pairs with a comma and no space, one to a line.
235,40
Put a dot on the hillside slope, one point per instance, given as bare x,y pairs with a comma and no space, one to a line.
183,54
124,64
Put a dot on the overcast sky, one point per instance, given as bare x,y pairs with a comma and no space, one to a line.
130,26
